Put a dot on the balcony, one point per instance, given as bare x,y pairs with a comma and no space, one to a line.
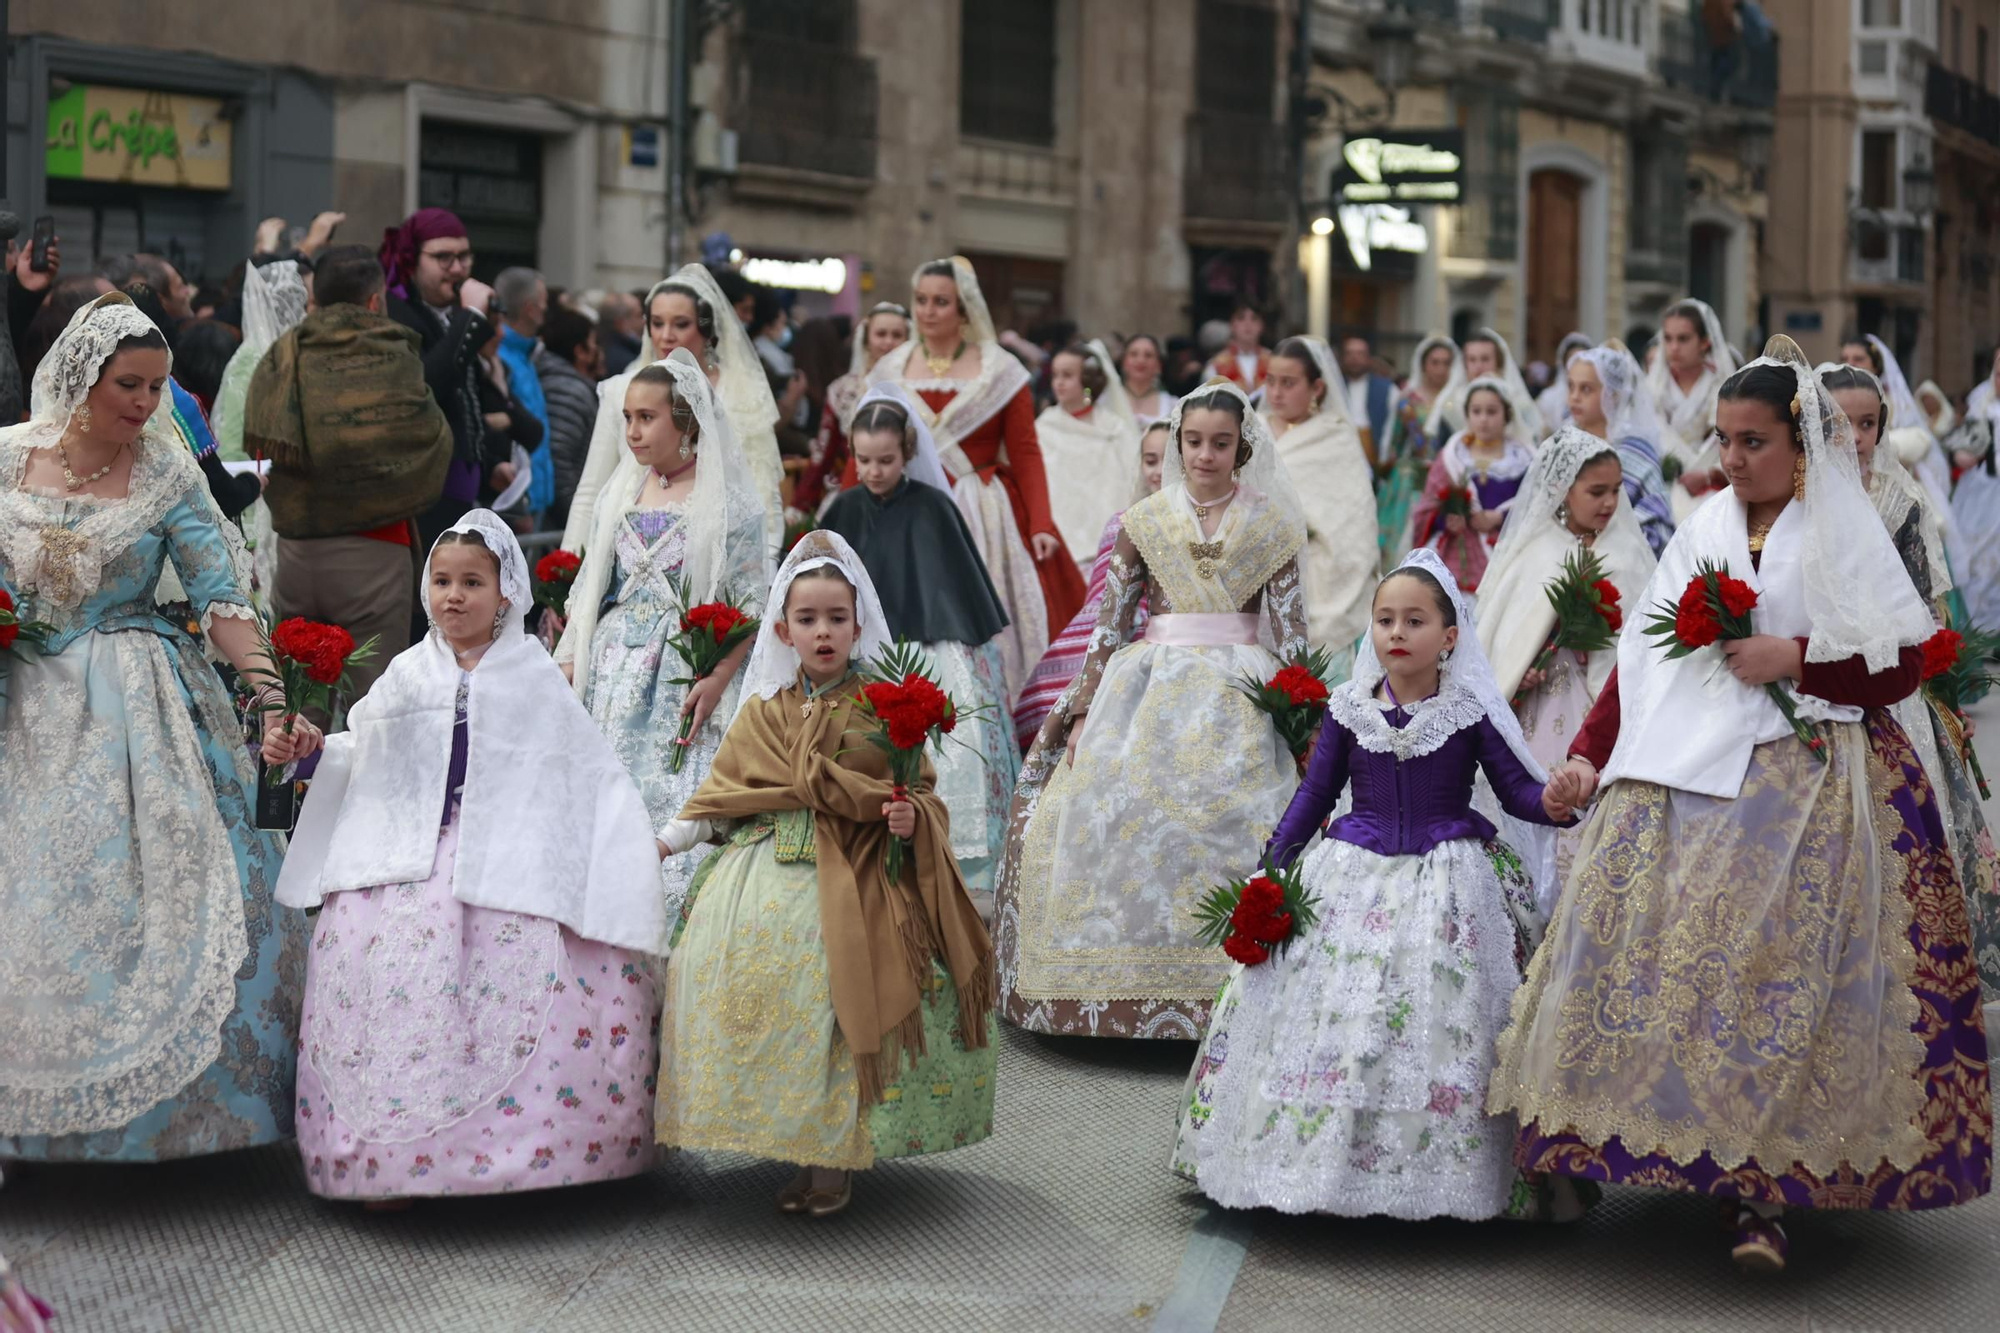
1951,99
1883,252
1238,169
1741,74
805,107
1610,34
1526,21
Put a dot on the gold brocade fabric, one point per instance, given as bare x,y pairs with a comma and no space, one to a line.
1178,778
1255,539
1731,976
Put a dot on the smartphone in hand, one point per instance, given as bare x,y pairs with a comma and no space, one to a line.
38,255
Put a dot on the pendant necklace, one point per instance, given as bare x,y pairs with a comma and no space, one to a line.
667,478
939,365
1759,534
1205,553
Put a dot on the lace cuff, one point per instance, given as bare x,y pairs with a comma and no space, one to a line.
230,610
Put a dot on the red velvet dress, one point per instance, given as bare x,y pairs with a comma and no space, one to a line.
1013,427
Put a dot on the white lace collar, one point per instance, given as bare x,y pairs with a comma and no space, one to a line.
1433,721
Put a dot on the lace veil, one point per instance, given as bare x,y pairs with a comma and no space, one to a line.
1855,610
1517,426
741,387
1334,400
1629,412
1454,383
723,502
1893,489
978,319
1113,397
857,358
925,465
1527,417
774,664
1720,361
1467,691
67,374
274,300
1264,473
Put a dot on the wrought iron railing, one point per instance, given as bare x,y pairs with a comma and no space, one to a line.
1959,102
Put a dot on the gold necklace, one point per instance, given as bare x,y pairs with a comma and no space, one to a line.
1759,534
938,365
76,483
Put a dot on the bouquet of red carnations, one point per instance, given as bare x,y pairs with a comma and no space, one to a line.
1252,917
1295,698
1588,617
16,632
1955,677
709,632
1715,606
309,662
909,708
555,575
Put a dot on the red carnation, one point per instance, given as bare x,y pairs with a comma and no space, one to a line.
558,567
1607,591
1241,948
1270,929
1300,685
10,628
1694,624
1738,597
1261,897
1940,652
321,649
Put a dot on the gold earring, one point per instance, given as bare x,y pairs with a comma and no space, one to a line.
1799,478
83,419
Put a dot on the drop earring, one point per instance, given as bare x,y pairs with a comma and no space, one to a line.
686,450
499,619
1799,478
1562,515
83,419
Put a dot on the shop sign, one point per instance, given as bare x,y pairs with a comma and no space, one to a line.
1369,228
136,136
1402,167
798,275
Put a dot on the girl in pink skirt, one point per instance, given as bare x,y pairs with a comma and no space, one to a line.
482,1014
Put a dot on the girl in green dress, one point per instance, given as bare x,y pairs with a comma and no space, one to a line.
820,1013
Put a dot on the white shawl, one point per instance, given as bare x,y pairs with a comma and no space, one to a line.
1092,465
550,823
1322,456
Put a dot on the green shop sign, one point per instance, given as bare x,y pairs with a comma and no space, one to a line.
138,137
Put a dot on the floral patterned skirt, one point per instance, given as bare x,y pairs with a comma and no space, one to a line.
1348,1075
1784,977
751,1059
449,1049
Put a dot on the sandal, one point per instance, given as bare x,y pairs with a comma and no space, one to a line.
1759,1243
792,1198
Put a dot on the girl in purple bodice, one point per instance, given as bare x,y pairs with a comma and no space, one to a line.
1348,1075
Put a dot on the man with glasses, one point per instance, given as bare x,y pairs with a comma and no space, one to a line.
428,264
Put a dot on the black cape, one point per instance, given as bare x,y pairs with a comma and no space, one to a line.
933,585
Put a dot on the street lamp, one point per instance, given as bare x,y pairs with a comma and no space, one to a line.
1919,188
1322,225
1392,38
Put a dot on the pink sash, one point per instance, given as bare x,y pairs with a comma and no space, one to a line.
1203,629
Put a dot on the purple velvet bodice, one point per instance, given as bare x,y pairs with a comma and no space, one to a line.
454,777
1404,806
1496,491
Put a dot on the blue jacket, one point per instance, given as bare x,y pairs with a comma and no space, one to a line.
517,353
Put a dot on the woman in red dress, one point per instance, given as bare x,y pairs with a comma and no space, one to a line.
978,406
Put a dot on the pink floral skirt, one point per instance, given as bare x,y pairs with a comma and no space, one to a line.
449,1049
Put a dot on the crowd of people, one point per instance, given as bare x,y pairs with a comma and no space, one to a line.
1721,919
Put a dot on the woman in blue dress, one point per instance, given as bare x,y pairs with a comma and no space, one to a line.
152,991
